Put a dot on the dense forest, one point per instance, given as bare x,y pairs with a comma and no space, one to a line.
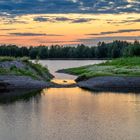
114,49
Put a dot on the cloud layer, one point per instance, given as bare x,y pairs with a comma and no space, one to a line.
68,6
62,19
118,31
33,34
95,40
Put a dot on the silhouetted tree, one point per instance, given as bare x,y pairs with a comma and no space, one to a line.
114,49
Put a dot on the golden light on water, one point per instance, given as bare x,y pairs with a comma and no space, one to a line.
63,81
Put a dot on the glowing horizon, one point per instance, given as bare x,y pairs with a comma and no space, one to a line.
70,28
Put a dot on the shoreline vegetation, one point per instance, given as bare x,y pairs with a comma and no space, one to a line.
119,75
23,67
124,67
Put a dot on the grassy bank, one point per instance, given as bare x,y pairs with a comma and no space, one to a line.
23,67
116,67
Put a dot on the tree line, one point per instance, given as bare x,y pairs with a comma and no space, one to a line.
114,49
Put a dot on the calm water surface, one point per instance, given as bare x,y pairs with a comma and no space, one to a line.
54,65
71,114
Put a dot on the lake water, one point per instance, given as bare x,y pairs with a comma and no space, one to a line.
54,65
71,113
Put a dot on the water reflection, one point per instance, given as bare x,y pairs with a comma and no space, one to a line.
69,113
81,114
7,97
63,81
72,114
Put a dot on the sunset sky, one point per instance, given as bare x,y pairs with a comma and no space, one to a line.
64,22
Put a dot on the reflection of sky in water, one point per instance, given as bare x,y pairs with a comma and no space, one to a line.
55,65
63,81
72,114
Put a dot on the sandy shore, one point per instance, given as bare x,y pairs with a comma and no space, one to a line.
115,84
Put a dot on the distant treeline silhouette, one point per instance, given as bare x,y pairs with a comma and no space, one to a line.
103,50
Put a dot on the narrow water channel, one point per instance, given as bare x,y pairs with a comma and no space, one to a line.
62,78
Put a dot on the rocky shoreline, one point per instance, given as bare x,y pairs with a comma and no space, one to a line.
106,83
9,82
21,82
112,83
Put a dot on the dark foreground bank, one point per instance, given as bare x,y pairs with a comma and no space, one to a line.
9,82
21,82
110,83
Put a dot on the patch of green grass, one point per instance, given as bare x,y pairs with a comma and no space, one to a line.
6,58
35,71
24,59
4,71
128,61
23,72
40,70
116,67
